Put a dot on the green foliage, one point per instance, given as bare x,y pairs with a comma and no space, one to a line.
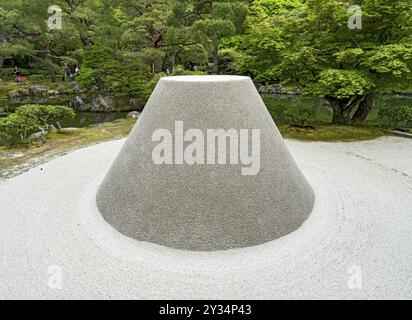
309,43
16,127
111,72
30,118
300,115
396,116
177,71
124,46
46,115
341,84
195,54
205,23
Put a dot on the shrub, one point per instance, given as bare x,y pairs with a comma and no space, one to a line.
27,119
46,115
396,116
16,127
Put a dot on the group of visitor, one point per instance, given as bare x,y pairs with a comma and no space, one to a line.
192,67
18,75
68,74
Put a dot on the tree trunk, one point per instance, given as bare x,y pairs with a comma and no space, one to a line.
85,42
174,56
99,83
215,54
53,76
364,108
158,66
340,111
339,117
2,58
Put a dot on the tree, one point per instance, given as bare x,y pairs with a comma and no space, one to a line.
209,21
144,28
312,46
31,118
11,47
45,115
16,126
376,58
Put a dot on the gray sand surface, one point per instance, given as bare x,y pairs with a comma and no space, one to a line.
362,218
205,207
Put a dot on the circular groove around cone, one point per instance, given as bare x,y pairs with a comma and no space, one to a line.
204,206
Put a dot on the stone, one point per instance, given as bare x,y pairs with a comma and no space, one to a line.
13,94
136,103
76,88
202,201
78,104
61,90
39,90
38,135
69,130
103,104
53,92
133,114
24,91
262,89
118,120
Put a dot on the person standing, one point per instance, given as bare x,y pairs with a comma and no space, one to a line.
67,72
76,71
17,74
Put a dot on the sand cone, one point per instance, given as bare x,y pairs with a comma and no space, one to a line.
186,204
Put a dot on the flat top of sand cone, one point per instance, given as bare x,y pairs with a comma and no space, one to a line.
200,78
205,205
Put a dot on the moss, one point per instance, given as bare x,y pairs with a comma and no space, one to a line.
15,159
5,87
331,133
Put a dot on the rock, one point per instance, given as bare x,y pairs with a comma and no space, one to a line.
13,94
78,104
38,135
69,130
262,89
100,124
53,93
62,91
39,90
133,114
76,88
24,92
103,104
118,120
276,89
135,102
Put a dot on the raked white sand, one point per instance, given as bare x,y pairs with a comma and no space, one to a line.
360,233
